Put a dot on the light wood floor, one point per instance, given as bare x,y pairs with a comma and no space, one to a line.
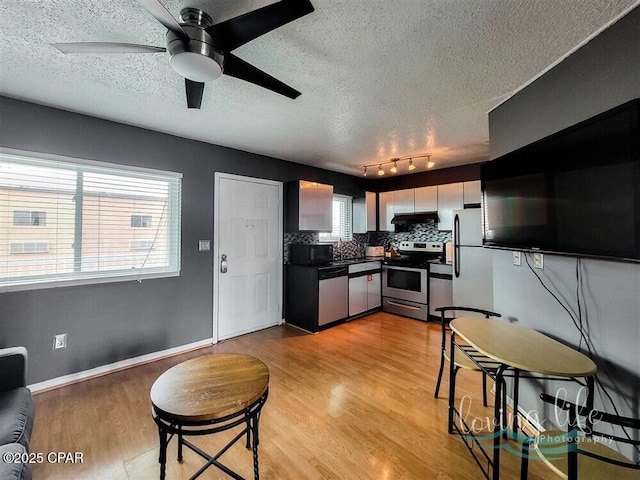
352,402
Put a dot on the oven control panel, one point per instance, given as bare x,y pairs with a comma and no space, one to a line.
425,247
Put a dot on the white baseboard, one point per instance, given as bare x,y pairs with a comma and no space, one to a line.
530,421
114,367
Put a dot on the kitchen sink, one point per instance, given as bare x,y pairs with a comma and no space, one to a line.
346,262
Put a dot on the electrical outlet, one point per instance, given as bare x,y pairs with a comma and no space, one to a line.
517,259
538,260
60,341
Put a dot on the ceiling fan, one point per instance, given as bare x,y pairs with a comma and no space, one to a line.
200,50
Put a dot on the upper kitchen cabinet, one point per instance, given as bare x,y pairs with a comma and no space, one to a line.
371,200
426,199
403,201
450,197
308,206
393,203
385,212
364,213
472,194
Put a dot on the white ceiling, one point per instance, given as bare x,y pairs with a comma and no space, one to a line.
379,78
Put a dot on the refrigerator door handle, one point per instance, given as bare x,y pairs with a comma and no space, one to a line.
456,245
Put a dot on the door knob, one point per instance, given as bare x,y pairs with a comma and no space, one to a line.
223,263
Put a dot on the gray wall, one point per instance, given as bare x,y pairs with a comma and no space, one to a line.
111,322
601,75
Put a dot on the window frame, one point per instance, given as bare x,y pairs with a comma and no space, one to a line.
172,224
146,221
345,220
37,216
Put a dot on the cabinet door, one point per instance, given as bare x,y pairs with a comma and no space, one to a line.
472,194
403,201
315,206
385,215
307,194
359,215
357,295
426,199
370,203
324,207
450,197
374,290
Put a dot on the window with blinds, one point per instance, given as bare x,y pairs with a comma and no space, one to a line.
67,221
342,221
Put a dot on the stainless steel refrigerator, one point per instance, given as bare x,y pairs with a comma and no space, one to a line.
472,264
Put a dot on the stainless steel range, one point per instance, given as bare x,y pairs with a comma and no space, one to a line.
405,279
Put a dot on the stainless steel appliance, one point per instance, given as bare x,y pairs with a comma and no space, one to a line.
405,279
310,254
333,294
472,263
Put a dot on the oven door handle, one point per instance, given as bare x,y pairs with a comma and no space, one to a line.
410,307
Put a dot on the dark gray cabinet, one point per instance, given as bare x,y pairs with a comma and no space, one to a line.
316,296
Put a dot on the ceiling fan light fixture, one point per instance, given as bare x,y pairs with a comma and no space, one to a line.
195,66
194,58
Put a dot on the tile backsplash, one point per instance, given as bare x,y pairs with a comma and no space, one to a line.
422,232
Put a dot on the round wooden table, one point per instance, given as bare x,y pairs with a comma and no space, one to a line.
206,395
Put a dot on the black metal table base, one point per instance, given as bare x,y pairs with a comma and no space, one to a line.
249,416
498,372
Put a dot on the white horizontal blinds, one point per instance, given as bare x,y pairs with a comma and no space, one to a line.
342,222
62,221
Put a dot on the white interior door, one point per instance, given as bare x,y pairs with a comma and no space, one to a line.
247,254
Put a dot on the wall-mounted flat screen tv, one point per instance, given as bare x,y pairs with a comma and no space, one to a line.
575,192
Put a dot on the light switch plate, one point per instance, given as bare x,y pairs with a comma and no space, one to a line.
517,259
60,341
204,245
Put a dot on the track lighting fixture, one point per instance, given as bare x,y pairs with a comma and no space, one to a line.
430,164
394,164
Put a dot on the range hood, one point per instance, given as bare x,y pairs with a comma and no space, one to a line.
413,218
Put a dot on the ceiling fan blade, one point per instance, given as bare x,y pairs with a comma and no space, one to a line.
194,93
236,67
106,47
235,32
157,10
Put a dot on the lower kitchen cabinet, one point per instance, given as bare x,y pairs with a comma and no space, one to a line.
317,297
365,287
364,293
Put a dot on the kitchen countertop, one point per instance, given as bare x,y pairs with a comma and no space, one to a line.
441,266
347,261
351,261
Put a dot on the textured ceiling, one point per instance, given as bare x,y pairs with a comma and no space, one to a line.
379,78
